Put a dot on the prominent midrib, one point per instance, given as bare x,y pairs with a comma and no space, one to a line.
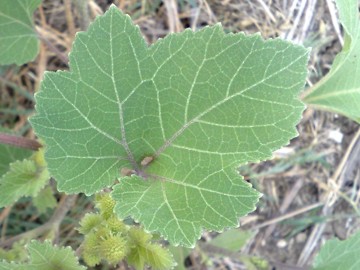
344,92
200,189
354,39
121,118
168,142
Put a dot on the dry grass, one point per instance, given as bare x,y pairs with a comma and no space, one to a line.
312,195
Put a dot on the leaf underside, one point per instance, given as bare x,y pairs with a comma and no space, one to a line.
194,105
18,40
339,90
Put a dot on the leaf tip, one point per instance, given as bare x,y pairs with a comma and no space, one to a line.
113,6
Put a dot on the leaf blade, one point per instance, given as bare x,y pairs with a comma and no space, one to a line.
19,43
339,91
45,256
9,154
179,117
24,178
336,254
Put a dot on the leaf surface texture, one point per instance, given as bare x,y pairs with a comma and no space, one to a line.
181,114
18,40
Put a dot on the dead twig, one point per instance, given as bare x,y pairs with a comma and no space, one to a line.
288,215
53,224
336,180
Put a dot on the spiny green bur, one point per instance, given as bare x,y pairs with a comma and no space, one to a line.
108,238
176,118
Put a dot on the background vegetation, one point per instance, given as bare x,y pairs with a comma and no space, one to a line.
310,187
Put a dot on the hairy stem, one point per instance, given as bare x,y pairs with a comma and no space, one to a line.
19,141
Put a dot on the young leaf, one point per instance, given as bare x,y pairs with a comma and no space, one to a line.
16,253
11,266
179,254
25,178
45,199
18,40
232,240
45,256
181,115
339,90
336,254
9,154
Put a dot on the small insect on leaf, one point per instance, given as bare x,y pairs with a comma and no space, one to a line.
146,161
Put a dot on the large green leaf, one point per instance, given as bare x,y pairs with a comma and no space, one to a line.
45,256
339,90
336,254
197,103
18,40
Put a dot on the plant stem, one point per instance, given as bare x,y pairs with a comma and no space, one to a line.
69,18
18,141
63,57
64,206
82,8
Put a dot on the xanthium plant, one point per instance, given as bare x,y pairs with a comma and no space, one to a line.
110,239
166,125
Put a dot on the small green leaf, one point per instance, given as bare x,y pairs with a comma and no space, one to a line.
25,178
181,115
11,266
9,154
45,199
179,254
45,256
232,240
18,39
339,90
336,254
16,253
